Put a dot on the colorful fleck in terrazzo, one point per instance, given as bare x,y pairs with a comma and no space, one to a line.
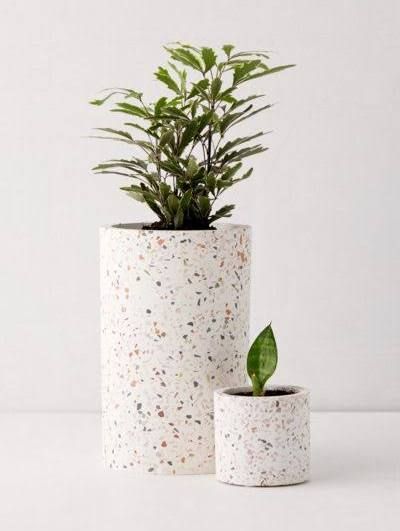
174,327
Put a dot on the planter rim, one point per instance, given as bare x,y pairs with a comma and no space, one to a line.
138,226
231,392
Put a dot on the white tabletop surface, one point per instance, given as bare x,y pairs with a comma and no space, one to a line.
52,479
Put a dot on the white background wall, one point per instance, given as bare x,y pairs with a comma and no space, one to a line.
323,202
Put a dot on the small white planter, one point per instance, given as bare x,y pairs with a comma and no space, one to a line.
262,441
174,327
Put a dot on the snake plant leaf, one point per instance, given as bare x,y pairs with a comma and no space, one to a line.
262,359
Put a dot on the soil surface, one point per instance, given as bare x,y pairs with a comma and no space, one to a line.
272,392
157,226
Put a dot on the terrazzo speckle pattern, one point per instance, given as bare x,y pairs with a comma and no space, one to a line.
262,441
174,327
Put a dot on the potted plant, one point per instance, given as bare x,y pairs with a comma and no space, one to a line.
175,291
262,434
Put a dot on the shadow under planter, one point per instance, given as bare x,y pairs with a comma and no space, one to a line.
174,327
262,440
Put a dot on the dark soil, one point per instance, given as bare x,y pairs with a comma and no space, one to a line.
273,392
158,226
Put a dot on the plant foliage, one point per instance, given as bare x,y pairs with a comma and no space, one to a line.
184,157
262,360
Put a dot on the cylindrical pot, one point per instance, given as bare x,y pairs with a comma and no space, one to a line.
174,327
262,441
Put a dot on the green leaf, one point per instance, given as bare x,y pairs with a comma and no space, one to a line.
178,219
228,49
269,71
102,100
124,134
173,203
164,76
199,88
205,120
182,77
211,182
192,167
166,138
143,129
215,87
159,105
246,175
262,359
256,53
193,108
128,93
119,164
235,156
185,200
132,188
114,172
133,94
230,119
239,103
233,143
115,138
136,195
175,113
130,109
240,117
222,184
209,58
224,212
171,166
188,46
242,69
165,190
149,198
204,205
188,135
186,57
230,172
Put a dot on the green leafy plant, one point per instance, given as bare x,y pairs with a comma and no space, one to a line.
184,157
262,360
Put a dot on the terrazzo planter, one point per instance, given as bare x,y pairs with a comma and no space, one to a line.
262,441
174,327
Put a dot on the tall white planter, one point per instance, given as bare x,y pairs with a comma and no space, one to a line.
174,327
262,441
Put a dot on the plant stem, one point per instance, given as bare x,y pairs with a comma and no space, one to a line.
258,389
209,149
209,140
